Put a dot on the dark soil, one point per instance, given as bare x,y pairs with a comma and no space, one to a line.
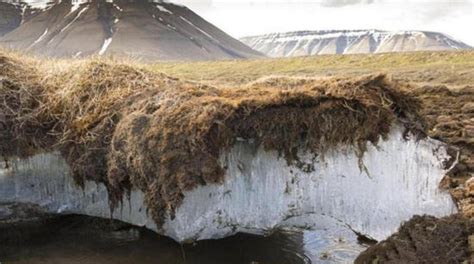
425,239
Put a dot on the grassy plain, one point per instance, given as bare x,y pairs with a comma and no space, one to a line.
453,69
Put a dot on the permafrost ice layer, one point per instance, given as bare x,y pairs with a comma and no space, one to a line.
399,178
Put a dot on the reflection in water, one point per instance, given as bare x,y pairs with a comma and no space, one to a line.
79,239
343,250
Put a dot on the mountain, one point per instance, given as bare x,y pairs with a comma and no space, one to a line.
13,14
303,43
140,29
10,17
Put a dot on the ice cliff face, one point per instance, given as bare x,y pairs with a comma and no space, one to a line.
334,193
304,43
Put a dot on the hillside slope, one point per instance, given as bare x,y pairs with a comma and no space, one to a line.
13,15
141,29
303,43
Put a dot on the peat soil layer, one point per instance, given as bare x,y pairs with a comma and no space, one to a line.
426,239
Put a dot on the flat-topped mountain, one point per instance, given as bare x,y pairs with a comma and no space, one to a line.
303,43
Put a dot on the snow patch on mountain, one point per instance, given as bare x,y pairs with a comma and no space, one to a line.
163,9
198,29
105,46
74,7
75,18
40,38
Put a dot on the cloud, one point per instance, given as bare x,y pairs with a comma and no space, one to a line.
195,3
338,3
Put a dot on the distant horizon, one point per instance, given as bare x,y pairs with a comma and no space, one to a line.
452,18
348,30
256,17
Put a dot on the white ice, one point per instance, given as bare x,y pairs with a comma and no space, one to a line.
262,193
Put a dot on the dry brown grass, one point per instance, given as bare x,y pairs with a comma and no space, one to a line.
21,110
427,67
130,128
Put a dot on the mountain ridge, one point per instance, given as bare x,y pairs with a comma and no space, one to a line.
304,43
139,29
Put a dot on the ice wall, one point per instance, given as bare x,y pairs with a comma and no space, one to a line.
261,192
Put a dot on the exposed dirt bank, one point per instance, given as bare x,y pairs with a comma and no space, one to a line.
127,127
450,115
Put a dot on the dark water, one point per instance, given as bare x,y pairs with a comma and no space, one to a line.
78,239
85,240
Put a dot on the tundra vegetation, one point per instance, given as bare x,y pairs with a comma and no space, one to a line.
443,82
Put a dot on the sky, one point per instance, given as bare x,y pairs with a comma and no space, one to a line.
242,18
252,17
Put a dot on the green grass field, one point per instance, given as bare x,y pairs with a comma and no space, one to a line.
451,68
